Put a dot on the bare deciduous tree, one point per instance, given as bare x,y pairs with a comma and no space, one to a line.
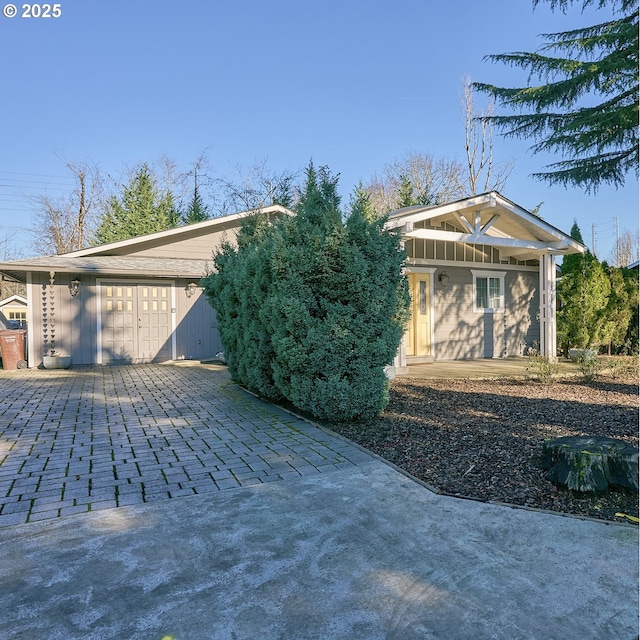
433,181
8,286
169,180
255,188
482,172
626,250
425,180
66,224
8,249
196,210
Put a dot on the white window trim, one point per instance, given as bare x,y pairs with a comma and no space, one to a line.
477,273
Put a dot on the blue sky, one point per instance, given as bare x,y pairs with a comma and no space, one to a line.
353,85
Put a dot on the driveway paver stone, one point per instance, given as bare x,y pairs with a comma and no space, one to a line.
100,437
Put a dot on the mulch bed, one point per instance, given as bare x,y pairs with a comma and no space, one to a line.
483,438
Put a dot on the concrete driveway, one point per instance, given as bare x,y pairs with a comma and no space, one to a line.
159,501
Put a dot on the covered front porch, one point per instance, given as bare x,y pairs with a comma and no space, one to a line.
482,276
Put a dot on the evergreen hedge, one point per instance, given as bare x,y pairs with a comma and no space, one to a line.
598,304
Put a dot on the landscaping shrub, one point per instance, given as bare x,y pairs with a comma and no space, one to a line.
589,364
542,368
323,303
237,289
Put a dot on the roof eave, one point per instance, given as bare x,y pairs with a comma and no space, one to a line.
176,231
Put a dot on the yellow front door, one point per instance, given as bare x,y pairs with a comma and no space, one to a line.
419,332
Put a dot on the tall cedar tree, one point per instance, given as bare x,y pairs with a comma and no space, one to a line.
583,292
599,304
142,209
583,295
619,312
237,288
585,107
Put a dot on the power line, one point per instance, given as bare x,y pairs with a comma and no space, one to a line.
34,182
614,232
612,226
17,192
12,197
45,187
38,175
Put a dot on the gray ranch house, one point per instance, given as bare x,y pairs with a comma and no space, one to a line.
481,271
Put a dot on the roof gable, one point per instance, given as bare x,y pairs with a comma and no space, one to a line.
14,298
489,219
180,252
196,237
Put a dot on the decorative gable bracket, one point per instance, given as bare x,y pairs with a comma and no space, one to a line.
479,236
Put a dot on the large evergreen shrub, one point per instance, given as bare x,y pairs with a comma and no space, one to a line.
318,306
237,289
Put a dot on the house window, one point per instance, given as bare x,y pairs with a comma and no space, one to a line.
488,291
423,298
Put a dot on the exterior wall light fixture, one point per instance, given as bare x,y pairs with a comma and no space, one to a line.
190,289
74,287
443,278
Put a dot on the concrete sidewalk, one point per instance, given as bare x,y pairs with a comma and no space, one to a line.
151,502
488,368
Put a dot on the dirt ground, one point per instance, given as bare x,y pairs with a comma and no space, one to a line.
483,438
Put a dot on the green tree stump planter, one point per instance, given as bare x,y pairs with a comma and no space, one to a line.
591,464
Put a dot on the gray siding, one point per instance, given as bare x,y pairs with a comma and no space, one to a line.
460,334
75,318
197,335
196,330
523,306
196,246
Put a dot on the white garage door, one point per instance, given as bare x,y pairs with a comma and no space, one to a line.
136,322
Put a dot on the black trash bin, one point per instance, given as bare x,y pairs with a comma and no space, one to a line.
12,348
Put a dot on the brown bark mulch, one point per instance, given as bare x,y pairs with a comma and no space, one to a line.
483,438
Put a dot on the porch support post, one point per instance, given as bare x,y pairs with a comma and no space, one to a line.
400,361
548,306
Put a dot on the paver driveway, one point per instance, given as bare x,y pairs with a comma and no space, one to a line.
347,548
93,438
